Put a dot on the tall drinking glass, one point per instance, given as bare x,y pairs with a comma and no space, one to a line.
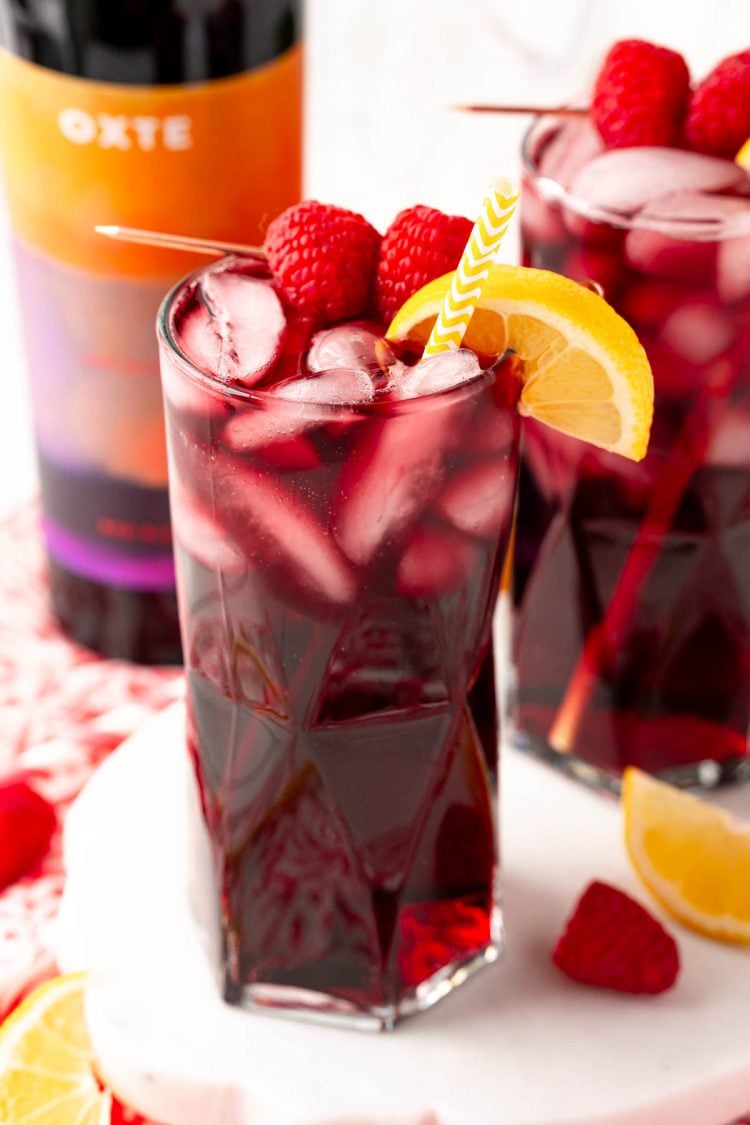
632,644
338,565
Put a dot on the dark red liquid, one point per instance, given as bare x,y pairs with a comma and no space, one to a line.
336,627
644,569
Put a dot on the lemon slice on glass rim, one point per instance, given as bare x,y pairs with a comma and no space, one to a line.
583,369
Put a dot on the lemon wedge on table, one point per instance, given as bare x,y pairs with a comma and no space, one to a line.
584,372
692,856
47,1074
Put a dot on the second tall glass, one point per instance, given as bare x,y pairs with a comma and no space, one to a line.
633,628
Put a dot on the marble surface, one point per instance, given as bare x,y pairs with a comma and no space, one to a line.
519,1044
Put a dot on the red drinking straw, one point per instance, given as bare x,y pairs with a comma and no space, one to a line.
605,639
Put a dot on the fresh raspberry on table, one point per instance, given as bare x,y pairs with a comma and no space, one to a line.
640,95
718,119
323,259
420,244
611,941
27,825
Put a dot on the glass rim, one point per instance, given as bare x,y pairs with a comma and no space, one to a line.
700,230
265,398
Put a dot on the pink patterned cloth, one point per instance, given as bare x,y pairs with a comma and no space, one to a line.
62,711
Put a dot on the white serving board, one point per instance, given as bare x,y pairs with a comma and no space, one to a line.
519,1044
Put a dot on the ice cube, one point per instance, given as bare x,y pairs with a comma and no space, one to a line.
337,387
572,147
699,227
625,179
278,439
198,339
271,521
479,499
248,319
396,469
733,269
699,209
670,259
199,533
434,560
730,440
199,342
357,346
540,219
437,373
698,330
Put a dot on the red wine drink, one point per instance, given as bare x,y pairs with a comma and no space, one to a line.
633,627
340,534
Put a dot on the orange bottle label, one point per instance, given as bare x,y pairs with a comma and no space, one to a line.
216,159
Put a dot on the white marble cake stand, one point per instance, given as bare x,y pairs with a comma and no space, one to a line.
519,1044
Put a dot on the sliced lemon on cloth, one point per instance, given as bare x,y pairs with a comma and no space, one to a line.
47,1072
584,371
743,156
692,856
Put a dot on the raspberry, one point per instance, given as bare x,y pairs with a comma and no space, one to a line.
122,1115
323,259
611,941
419,245
718,120
27,823
640,95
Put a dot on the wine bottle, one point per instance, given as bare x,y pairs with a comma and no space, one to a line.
178,115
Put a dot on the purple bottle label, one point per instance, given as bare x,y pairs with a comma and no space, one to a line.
93,368
92,560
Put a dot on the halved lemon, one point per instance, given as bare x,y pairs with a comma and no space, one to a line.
693,856
47,1074
584,371
743,156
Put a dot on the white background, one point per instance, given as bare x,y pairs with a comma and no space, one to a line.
381,134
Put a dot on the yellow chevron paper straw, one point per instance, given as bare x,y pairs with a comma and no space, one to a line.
466,288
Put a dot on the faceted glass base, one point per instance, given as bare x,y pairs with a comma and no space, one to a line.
318,1007
706,774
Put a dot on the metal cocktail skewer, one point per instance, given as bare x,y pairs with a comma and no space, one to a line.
180,241
536,110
